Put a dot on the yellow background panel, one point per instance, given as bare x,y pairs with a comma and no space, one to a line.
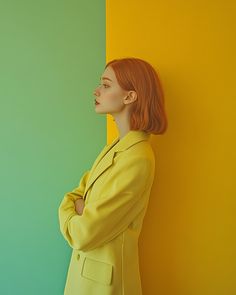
188,242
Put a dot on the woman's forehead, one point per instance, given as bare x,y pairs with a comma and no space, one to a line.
109,74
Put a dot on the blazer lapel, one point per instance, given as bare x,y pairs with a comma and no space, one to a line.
107,161
132,137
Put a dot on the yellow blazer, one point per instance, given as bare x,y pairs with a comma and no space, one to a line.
104,239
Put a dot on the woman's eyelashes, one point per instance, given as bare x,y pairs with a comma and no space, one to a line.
105,85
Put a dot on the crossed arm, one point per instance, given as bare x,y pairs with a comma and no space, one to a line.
77,194
108,216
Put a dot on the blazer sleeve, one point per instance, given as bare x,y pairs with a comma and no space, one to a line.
121,200
67,206
78,192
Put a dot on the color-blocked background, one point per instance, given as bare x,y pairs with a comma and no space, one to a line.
52,54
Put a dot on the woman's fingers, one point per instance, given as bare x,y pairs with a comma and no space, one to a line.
79,206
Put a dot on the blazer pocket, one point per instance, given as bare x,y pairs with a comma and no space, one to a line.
98,271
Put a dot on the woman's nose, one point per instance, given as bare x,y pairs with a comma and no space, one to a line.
96,92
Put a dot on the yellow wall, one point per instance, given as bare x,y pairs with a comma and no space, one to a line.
188,242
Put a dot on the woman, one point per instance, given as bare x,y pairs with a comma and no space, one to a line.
101,219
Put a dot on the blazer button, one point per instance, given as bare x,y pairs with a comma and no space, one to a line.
78,256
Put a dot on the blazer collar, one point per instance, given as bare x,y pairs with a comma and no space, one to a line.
132,137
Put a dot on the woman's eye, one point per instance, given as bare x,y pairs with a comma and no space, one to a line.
105,86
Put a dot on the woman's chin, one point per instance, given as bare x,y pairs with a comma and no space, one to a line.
98,111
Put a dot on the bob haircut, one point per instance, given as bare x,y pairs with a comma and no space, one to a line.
147,112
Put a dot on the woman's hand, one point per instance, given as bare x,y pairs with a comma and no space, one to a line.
79,206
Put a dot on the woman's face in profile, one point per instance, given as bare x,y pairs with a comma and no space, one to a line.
109,95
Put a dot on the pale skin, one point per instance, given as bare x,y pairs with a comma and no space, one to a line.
115,101
79,206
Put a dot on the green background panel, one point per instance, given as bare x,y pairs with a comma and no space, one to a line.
52,54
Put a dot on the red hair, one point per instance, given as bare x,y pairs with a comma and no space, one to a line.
148,111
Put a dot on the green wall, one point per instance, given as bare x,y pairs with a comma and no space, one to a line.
51,55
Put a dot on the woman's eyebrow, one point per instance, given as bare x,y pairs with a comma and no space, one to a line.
106,78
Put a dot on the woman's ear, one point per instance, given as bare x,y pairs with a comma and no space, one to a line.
131,97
